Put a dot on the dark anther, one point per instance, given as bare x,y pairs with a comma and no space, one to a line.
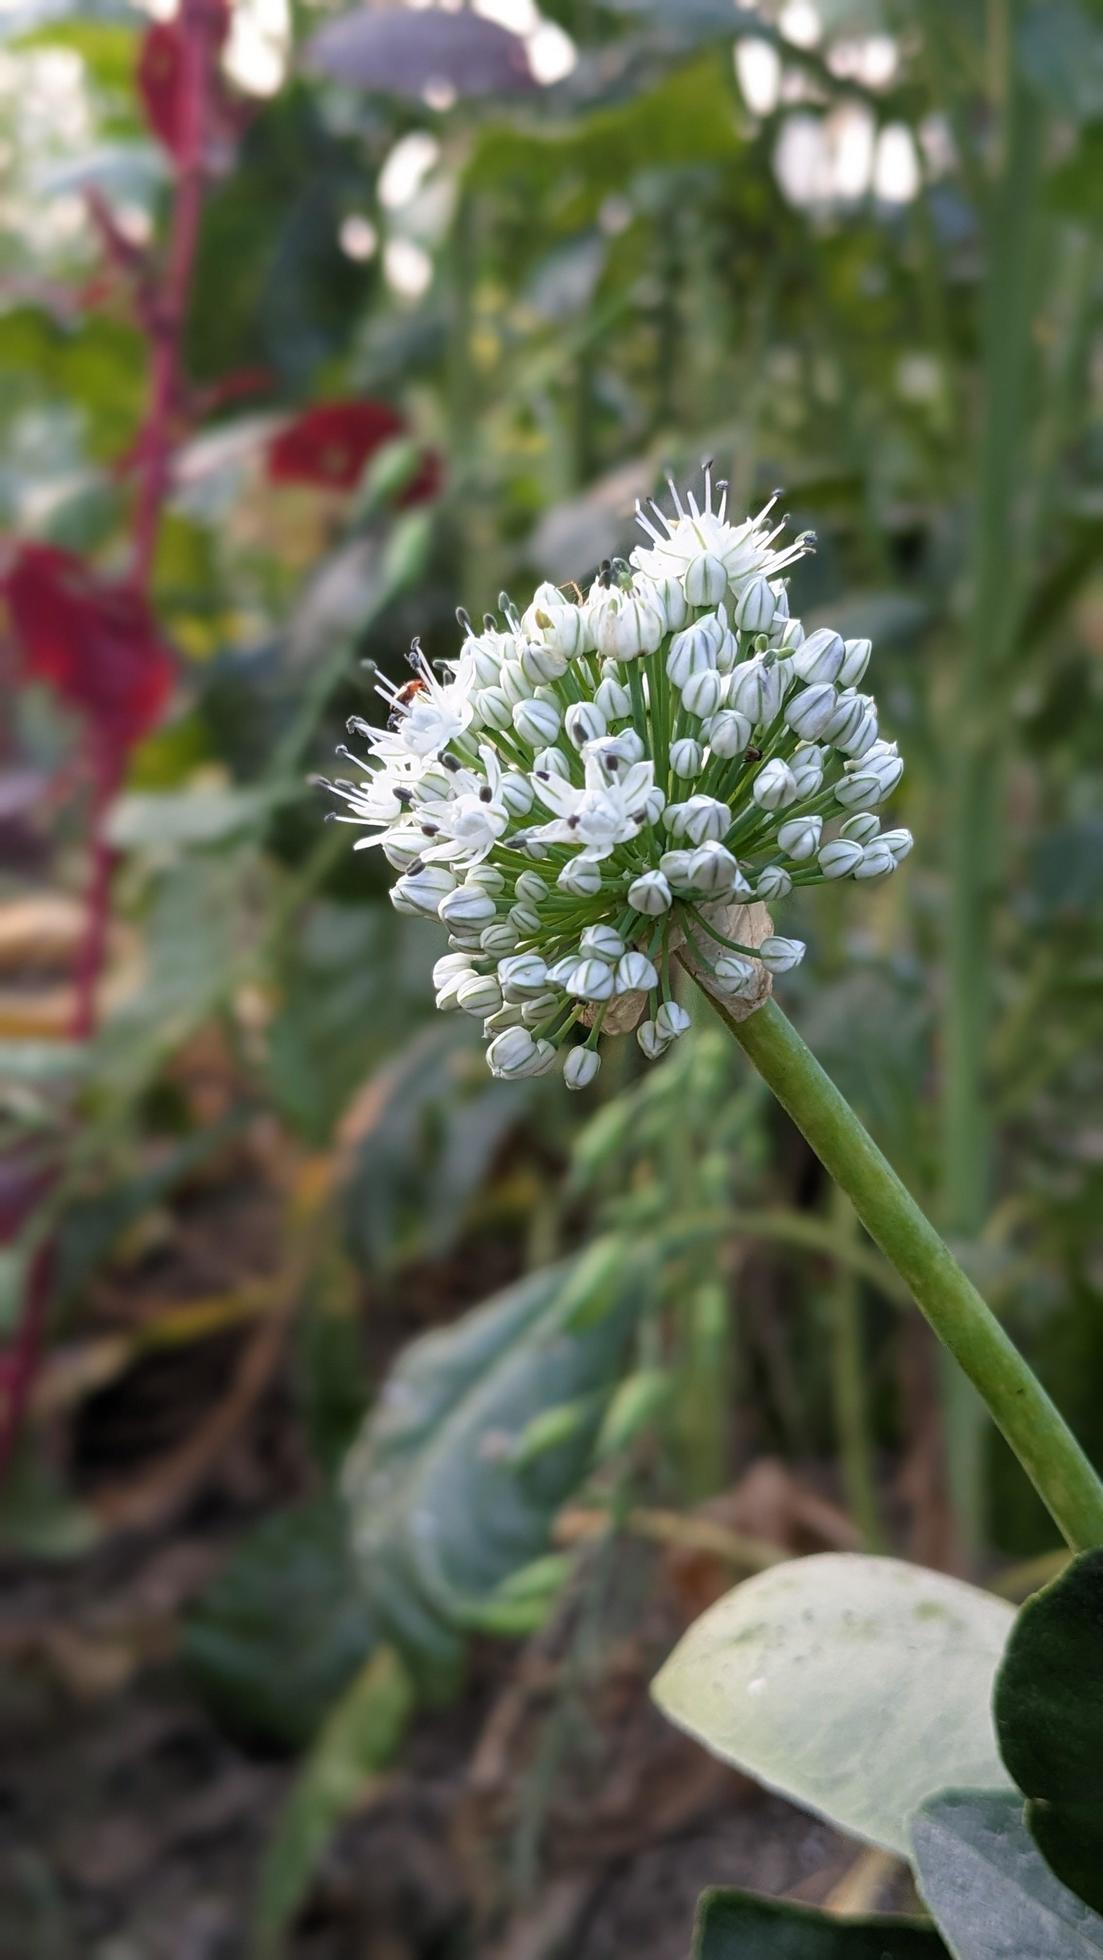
490,622
413,869
464,618
449,760
572,823
486,794
404,798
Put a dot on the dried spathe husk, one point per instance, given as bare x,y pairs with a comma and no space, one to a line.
749,924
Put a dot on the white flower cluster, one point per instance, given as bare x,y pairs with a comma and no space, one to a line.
570,792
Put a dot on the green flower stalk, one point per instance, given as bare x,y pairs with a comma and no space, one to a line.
606,784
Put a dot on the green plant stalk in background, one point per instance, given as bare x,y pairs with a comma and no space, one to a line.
978,778
1038,1434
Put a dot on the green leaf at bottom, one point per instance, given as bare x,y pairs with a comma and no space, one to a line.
740,1926
989,1887
1049,1720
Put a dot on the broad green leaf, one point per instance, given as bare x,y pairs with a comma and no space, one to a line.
283,1628
741,1926
419,1140
989,1887
856,1686
1049,1719
440,1513
358,1739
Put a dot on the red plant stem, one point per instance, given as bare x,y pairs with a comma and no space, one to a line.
199,31
19,1364
165,312
92,953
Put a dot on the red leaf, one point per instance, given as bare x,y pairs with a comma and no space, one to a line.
425,482
330,444
95,643
160,78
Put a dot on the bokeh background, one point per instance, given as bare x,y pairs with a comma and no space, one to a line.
313,325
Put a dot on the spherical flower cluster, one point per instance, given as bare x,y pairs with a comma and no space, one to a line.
594,779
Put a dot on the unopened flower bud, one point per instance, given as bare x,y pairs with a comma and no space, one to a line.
675,868
494,708
650,894
465,905
729,733
671,1020
899,843
591,980
499,938
522,974
580,1066
820,656
862,827
634,974
584,722
603,943
651,1041
701,694
516,793
615,702
581,877
511,1051
530,888
755,608
537,722
875,778
810,712
431,887
705,817
694,649
734,975
877,861
711,868
551,762
686,757
773,787
773,882
706,580
755,690
541,661
781,955
839,858
857,655
479,994
800,837
525,917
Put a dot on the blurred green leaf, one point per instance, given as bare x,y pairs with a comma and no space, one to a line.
440,1515
358,1739
419,1142
283,1628
989,1887
1049,1719
1061,49
740,1926
178,819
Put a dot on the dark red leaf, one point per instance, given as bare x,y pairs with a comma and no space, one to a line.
330,444
425,482
395,51
95,643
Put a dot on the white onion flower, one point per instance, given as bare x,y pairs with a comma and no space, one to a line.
589,782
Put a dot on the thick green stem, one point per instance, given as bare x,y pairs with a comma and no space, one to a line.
1038,1434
